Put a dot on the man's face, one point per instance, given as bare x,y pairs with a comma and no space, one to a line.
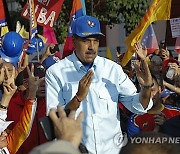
86,48
41,89
9,67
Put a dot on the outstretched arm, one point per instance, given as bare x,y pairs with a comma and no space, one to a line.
143,75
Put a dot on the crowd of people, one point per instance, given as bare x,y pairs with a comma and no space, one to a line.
104,100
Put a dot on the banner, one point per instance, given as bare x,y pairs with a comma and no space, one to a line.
32,18
78,10
175,27
159,10
49,35
3,21
46,11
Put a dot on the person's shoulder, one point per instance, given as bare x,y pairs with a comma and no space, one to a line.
107,62
67,61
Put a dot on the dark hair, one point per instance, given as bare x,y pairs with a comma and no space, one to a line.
118,49
19,79
39,70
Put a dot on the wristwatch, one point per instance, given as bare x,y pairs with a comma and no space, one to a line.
148,86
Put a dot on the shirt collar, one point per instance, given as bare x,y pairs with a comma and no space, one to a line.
79,66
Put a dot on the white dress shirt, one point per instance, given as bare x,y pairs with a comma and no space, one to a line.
101,124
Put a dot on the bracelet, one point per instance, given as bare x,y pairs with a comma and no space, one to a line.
77,98
148,86
3,107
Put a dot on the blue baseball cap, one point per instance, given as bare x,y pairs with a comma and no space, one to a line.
32,47
86,26
12,45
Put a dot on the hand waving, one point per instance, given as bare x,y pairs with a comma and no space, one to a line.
142,53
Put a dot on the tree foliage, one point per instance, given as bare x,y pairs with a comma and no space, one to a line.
107,11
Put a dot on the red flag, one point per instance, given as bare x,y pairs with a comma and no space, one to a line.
177,45
78,10
46,12
2,15
50,35
149,40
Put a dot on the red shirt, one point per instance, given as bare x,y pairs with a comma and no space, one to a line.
146,122
36,136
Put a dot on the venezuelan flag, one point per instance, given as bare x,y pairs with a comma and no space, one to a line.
159,10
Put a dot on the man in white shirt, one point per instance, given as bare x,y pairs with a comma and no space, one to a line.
87,82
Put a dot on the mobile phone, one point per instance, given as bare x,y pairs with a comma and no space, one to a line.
47,126
53,50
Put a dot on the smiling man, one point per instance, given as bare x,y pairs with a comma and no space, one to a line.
87,82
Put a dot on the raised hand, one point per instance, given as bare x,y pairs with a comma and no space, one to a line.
9,87
84,85
67,128
22,66
34,82
142,52
143,73
9,83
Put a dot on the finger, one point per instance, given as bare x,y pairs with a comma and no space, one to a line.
13,85
32,70
53,116
72,115
136,46
5,89
2,71
86,75
80,117
42,79
89,82
7,72
28,71
89,78
13,73
61,112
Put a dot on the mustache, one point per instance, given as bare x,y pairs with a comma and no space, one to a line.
90,52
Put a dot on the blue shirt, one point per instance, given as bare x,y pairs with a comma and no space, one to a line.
101,124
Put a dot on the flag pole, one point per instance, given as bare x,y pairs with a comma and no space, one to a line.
92,4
